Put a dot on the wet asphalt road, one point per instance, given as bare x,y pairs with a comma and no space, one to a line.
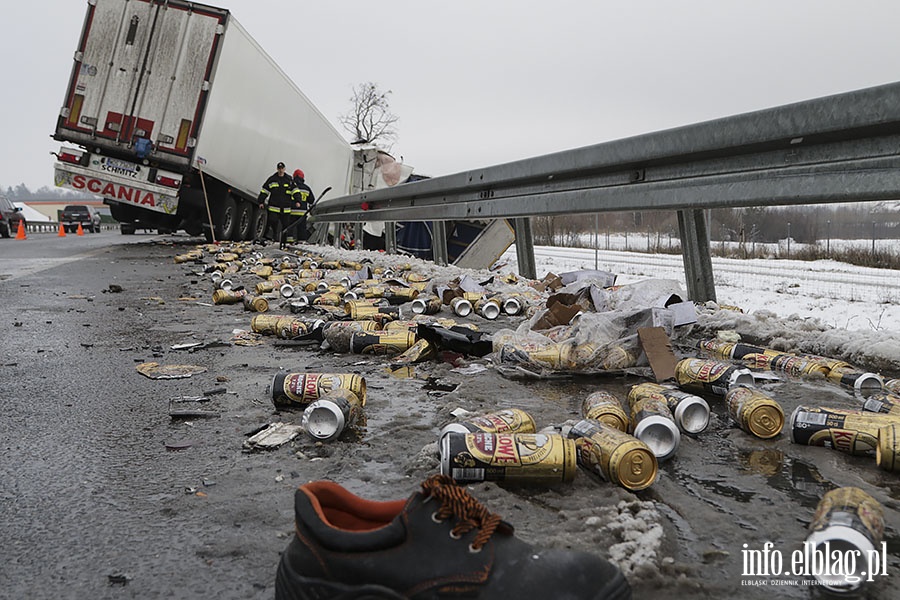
94,504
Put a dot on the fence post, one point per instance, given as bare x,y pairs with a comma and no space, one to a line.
695,254
525,248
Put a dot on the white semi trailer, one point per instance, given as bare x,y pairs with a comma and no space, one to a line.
176,113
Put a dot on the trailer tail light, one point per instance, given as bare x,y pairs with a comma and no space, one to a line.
70,156
168,181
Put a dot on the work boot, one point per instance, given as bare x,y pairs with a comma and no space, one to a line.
440,543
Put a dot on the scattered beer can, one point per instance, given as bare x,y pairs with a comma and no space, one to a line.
861,382
606,408
893,386
255,303
228,296
887,451
652,423
301,389
360,310
461,307
222,283
711,376
853,432
789,364
882,402
427,306
512,306
265,324
614,455
489,308
326,418
514,457
754,411
289,328
508,420
730,350
286,290
847,520
381,344
691,412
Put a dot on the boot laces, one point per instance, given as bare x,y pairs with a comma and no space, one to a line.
456,502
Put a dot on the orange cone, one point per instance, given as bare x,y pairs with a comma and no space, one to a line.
62,231
20,234
80,230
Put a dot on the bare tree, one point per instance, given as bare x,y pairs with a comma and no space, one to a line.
370,119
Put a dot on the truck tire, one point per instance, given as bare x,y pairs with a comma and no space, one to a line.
225,218
244,228
260,217
128,228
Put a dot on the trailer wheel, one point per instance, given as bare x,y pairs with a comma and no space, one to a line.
128,228
244,229
225,219
259,223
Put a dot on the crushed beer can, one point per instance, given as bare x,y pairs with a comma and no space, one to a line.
289,328
326,418
301,389
614,455
754,411
513,457
508,420
847,521
652,423
606,408
265,324
711,376
691,412
255,303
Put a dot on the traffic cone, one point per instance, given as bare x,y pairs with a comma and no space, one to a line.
20,234
80,230
62,231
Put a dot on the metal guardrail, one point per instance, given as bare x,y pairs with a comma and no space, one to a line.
53,227
839,148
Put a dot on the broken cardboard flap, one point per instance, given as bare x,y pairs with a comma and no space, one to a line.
273,436
157,371
658,348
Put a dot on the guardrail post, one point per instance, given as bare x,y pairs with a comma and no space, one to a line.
439,243
358,236
525,248
390,237
698,272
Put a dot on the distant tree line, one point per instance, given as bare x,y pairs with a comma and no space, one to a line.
21,193
763,224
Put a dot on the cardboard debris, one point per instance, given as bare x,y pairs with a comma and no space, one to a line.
658,348
273,436
157,371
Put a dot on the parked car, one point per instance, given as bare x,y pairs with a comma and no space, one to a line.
10,217
74,214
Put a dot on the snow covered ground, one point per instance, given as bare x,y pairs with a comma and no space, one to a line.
823,307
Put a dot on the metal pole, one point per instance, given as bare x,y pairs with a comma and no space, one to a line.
439,242
828,238
873,238
789,239
695,254
390,237
525,248
596,241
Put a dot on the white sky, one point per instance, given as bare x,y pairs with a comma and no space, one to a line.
478,83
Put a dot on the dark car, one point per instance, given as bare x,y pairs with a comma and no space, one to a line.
74,214
10,217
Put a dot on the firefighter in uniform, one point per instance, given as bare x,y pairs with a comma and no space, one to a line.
276,196
302,201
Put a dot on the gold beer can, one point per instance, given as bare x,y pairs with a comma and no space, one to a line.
731,350
859,381
310,274
360,310
329,299
381,344
401,295
255,303
301,389
265,324
228,296
461,306
755,411
847,520
614,455
508,420
427,306
516,457
289,328
606,408
711,376
264,287
330,265
489,308
691,412
887,450
853,432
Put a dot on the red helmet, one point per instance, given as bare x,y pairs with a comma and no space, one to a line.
299,173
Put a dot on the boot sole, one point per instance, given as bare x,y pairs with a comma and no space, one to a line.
291,586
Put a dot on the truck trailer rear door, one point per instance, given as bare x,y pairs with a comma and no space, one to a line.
141,75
